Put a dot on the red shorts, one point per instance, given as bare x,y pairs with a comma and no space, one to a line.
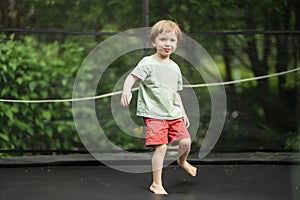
160,132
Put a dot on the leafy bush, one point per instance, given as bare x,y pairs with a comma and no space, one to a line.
30,70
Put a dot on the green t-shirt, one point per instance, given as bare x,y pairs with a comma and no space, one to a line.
160,81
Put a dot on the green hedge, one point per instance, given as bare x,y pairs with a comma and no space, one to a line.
30,70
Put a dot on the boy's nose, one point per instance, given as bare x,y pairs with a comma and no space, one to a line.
168,43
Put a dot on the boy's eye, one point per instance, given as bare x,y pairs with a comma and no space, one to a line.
165,39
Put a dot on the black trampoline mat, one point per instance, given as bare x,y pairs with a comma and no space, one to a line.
221,181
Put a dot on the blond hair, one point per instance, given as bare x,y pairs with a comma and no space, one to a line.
165,26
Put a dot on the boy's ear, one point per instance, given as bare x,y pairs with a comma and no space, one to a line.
153,44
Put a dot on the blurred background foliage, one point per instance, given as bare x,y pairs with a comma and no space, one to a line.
43,44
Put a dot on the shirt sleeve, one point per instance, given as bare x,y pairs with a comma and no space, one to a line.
179,82
142,70
180,85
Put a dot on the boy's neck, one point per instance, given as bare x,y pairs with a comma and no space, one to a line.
162,58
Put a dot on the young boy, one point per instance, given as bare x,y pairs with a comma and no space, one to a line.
159,102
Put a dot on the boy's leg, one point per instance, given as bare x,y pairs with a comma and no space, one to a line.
183,151
157,167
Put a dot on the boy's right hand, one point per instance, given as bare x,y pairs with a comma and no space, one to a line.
126,95
126,98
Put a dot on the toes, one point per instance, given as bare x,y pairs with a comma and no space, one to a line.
189,168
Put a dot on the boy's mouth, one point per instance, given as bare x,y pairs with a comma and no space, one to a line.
167,50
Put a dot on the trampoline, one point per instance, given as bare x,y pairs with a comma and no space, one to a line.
82,177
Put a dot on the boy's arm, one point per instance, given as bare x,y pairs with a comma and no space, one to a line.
185,117
126,94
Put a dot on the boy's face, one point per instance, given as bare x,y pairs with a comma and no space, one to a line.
165,44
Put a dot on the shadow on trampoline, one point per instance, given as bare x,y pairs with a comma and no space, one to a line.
91,180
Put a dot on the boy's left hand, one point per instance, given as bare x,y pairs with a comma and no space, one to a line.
186,120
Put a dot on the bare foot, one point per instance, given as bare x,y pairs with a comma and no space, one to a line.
191,170
157,189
